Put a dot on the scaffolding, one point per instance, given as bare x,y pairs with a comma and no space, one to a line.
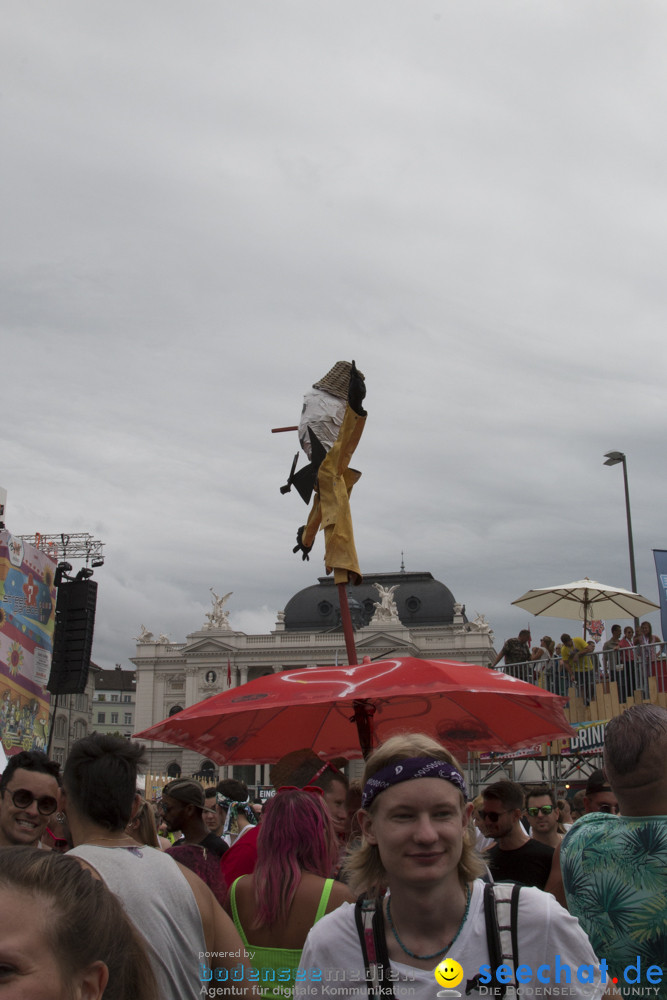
63,547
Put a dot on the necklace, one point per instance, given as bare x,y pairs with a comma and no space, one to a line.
423,958
114,840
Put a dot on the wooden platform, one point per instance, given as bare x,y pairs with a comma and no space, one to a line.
606,703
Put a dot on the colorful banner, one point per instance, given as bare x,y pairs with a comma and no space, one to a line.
27,618
589,740
660,556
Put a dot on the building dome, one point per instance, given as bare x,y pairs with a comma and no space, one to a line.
420,599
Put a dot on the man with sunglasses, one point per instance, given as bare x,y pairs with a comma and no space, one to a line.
516,856
599,795
28,798
543,815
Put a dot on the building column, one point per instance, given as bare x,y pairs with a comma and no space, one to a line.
191,692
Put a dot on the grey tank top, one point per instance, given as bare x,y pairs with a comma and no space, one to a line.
162,906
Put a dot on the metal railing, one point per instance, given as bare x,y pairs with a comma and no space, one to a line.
631,669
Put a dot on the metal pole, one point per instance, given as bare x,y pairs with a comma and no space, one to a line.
633,574
52,726
613,458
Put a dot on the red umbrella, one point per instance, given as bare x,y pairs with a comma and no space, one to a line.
465,706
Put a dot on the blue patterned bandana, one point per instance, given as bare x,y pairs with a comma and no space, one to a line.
406,770
234,807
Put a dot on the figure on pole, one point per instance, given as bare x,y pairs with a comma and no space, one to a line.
331,425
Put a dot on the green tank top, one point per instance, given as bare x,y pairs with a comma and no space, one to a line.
276,966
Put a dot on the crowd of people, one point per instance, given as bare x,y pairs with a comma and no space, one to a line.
387,887
629,657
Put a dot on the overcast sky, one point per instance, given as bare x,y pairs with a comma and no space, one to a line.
206,205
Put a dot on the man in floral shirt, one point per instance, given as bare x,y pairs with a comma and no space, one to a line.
614,867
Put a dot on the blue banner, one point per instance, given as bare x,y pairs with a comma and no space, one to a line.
660,556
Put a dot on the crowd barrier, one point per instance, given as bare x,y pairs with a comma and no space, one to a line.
613,679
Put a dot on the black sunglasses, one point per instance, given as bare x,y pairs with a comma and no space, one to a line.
23,799
535,810
491,816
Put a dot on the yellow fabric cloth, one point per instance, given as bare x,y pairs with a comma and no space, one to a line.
331,506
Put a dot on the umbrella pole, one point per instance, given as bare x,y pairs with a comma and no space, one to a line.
348,631
364,710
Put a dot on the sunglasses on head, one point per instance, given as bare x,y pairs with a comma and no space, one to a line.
311,789
536,810
491,816
23,799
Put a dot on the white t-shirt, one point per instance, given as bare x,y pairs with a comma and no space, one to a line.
332,963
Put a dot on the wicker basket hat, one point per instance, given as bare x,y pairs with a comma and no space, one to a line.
337,380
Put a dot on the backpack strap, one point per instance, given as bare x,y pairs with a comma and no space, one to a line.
370,927
501,910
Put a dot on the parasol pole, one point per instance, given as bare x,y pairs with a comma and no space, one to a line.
364,710
348,631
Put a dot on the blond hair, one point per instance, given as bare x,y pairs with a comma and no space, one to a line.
142,827
363,868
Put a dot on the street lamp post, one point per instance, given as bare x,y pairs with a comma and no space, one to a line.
614,458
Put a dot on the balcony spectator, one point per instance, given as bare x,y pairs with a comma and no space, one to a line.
515,651
543,663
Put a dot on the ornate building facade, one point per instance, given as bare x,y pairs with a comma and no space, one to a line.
394,614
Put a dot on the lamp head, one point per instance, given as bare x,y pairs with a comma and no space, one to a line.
614,457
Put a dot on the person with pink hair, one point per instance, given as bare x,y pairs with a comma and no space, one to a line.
291,888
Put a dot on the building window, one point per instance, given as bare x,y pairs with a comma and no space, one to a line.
127,698
114,697
102,717
79,729
174,770
101,697
61,727
114,718
245,773
128,718
175,708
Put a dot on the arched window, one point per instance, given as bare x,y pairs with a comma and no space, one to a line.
207,771
61,727
79,729
174,770
175,708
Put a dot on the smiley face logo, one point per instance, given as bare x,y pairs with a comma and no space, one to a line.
449,973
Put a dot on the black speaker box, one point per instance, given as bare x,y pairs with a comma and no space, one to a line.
73,636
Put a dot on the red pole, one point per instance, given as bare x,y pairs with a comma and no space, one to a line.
348,631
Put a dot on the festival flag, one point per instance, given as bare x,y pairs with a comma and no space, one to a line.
596,628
